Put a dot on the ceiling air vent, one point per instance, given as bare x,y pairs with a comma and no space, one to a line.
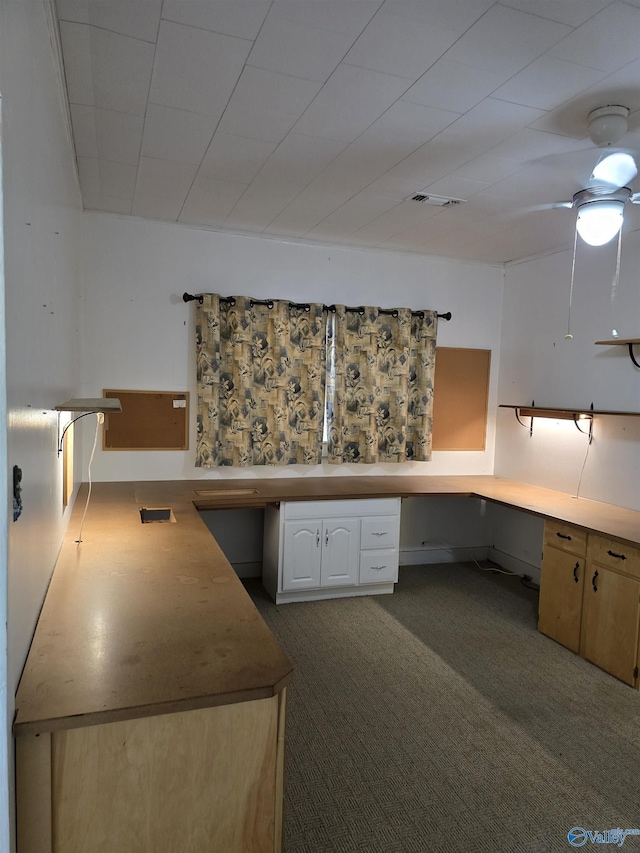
437,200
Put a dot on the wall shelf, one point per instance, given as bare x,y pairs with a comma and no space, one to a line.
619,342
576,415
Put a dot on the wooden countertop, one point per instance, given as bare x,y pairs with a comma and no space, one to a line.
604,518
145,619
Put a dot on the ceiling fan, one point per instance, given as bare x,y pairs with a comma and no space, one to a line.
600,204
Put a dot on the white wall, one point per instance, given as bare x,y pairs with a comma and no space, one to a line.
537,363
138,334
41,220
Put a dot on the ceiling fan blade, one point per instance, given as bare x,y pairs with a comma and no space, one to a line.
635,198
614,170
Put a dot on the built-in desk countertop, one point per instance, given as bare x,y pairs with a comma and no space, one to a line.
145,619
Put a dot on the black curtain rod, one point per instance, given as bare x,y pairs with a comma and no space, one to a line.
392,312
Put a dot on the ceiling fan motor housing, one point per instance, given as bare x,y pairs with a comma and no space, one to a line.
607,125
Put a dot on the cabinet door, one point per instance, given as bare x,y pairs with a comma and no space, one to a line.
301,555
341,551
560,606
610,619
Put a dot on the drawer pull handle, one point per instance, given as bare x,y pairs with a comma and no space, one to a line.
617,556
378,568
563,536
379,533
317,538
575,572
593,581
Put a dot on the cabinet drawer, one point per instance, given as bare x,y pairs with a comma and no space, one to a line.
379,566
379,532
340,509
566,537
614,554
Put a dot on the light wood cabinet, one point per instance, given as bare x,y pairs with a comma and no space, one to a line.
590,598
611,608
325,549
561,586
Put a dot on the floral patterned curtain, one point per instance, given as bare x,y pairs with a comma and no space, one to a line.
260,382
380,384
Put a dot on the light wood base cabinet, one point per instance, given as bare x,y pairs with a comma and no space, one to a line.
190,782
590,598
561,583
611,608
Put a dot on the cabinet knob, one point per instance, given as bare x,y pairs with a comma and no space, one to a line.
317,538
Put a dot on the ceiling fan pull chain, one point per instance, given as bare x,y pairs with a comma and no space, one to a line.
614,284
569,336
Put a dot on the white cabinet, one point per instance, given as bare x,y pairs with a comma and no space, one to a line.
320,553
324,549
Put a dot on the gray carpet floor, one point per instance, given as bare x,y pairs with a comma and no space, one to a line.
438,720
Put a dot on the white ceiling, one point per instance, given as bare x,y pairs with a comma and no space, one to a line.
319,119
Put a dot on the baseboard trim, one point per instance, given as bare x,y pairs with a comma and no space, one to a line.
248,570
422,556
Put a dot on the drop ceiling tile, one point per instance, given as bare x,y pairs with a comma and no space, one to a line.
453,86
101,177
136,18
288,47
165,178
210,201
487,168
505,40
351,100
354,214
573,14
299,159
261,203
118,136
235,158
108,204
413,121
89,175
489,123
240,18
548,82
266,105
388,225
334,15
457,17
171,134
196,70
607,41
83,122
103,69
303,213
394,44
151,207
528,144
454,187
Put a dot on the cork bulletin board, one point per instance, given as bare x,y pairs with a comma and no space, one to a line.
460,398
149,420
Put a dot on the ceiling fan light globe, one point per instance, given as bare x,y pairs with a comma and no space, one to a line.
599,221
